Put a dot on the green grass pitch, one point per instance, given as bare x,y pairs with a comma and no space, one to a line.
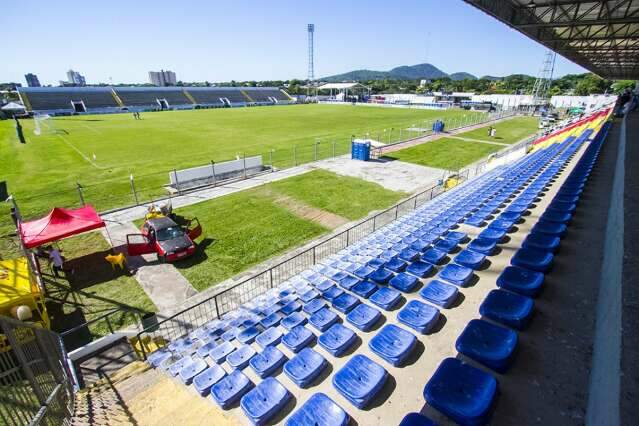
101,151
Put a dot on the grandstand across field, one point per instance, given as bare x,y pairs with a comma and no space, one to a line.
96,100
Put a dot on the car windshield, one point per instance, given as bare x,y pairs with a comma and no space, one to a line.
169,233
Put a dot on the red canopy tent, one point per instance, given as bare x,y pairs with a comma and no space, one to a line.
59,224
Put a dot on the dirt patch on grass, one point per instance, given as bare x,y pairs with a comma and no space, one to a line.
303,210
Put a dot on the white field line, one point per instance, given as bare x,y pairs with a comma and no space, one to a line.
90,161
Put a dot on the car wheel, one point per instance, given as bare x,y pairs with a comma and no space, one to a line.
161,258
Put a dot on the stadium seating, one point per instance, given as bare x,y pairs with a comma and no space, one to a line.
148,97
52,99
213,96
346,294
265,95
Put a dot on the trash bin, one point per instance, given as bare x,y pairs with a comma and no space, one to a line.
150,322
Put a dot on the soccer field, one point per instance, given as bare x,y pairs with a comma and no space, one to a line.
101,151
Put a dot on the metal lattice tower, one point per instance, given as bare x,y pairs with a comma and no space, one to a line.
311,54
544,80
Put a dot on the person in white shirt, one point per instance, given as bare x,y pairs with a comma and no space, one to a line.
57,261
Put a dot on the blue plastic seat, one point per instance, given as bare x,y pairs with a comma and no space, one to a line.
264,401
293,320
271,320
363,316
440,293
309,295
534,259
333,293
337,339
539,241
404,282
156,358
470,259
420,269
274,308
298,338
240,357
207,378
376,263
314,306
291,307
476,221
267,361
345,303
456,274
192,369
563,206
416,419
521,280
230,389
482,245
421,244
551,228
363,272
326,284
319,410
360,380
492,234
409,254
556,216
248,335
393,344
323,319
364,289
386,298
348,282
419,316
396,265
457,236
220,353
511,309
489,344
446,245
381,276
270,337
511,216
434,256
204,350
501,225
305,367
462,392
230,335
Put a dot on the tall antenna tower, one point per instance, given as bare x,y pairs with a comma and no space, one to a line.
544,80
311,55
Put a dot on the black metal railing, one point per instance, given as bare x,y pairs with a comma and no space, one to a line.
215,306
36,386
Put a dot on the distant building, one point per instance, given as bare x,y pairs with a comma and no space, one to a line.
162,78
423,83
32,80
75,78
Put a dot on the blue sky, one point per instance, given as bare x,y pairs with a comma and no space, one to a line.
221,40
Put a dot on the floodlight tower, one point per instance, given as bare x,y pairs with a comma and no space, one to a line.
544,80
311,54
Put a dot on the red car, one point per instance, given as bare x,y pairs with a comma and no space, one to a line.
163,236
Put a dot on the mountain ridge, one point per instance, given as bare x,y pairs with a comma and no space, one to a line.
403,72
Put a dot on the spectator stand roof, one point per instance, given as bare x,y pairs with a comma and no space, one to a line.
601,36
345,88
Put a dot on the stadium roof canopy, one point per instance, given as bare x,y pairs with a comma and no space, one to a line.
601,36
